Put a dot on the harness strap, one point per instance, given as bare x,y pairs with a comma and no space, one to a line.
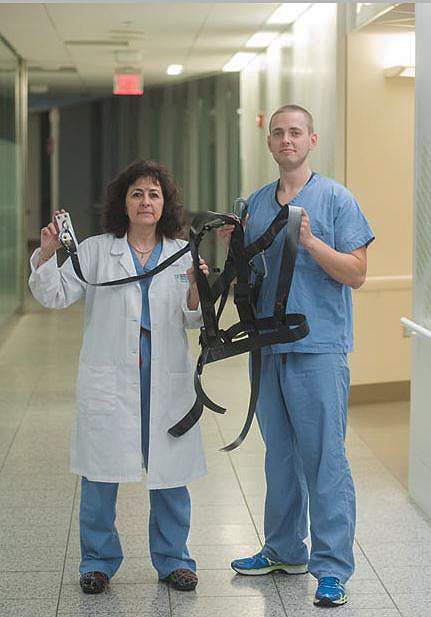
184,425
266,239
256,364
202,223
250,334
288,261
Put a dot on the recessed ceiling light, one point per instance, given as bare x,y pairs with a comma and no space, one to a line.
261,39
174,69
238,62
288,12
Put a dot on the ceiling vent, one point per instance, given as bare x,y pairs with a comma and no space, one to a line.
59,69
129,57
126,33
100,43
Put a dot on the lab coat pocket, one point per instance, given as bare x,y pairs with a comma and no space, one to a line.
96,389
181,395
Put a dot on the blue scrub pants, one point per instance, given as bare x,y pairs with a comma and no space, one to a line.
170,509
302,414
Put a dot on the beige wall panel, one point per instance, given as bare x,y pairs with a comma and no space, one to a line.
382,353
380,129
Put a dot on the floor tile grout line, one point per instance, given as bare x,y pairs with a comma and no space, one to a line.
239,483
169,600
249,510
378,577
279,595
30,398
67,546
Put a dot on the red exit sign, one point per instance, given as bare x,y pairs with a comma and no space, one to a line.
128,83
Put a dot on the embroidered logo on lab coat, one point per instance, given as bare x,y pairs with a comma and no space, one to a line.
181,278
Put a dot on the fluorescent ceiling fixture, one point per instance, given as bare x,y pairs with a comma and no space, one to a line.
288,12
174,69
238,62
399,71
360,5
261,39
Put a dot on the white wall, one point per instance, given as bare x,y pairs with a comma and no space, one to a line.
304,72
254,155
314,78
420,417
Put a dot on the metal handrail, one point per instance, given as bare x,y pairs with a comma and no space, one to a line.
414,328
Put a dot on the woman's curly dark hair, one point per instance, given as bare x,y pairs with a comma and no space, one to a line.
114,215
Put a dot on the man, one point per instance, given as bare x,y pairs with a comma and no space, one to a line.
302,406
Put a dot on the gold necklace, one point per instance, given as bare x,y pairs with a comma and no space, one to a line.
141,252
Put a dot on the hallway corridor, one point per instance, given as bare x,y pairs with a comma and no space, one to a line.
39,501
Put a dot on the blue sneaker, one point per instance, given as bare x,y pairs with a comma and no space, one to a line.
330,592
259,564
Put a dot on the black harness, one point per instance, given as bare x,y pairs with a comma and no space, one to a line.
250,333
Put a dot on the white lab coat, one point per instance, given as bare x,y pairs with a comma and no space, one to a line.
106,437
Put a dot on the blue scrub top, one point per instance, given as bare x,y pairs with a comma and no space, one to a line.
145,283
335,218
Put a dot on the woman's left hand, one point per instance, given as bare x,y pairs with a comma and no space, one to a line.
191,272
193,294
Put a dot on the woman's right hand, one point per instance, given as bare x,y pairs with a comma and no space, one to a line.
49,242
225,231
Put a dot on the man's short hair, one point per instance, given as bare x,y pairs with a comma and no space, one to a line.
308,116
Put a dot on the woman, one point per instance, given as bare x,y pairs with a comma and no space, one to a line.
135,377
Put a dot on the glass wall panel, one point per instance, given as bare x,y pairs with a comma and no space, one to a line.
10,245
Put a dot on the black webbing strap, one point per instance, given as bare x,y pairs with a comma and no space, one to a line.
288,263
201,224
250,334
184,425
256,364
265,240
130,279
261,244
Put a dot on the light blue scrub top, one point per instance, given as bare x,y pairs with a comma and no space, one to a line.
335,218
145,283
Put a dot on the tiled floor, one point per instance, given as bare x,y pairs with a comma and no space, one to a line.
38,504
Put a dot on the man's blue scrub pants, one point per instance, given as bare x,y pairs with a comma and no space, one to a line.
170,510
302,413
